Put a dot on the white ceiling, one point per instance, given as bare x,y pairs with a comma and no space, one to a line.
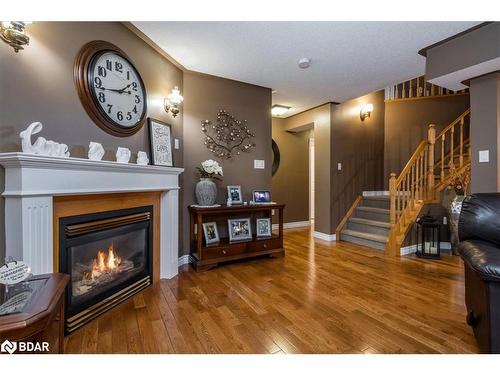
349,59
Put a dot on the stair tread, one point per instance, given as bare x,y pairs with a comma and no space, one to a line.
377,197
375,223
374,209
366,236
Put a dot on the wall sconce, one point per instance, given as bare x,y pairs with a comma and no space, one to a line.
173,101
366,111
14,34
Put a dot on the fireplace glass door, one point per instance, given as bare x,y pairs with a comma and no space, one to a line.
108,257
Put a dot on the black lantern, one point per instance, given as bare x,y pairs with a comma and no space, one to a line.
428,237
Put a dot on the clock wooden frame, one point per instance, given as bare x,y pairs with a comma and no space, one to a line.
83,86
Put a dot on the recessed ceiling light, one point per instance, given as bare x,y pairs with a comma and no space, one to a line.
304,63
279,110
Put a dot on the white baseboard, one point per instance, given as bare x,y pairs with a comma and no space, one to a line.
294,224
375,193
325,237
185,259
412,249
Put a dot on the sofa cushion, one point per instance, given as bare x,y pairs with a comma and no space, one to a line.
483,257
480,218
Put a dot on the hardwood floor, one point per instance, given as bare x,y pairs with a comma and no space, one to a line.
319,298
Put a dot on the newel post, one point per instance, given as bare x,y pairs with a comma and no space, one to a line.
392,195
431,138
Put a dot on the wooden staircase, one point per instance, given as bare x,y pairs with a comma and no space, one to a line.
382,222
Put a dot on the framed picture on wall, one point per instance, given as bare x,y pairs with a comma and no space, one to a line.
160,137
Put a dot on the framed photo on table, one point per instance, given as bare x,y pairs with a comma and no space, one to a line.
234,193
160,136
211,233
239,230
263,228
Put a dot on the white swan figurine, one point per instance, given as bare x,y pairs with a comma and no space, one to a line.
41,145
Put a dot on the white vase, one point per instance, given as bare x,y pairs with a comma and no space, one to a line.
206,192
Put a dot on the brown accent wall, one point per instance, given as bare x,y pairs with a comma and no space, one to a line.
406,124
290,184
485,133
205,96
37,85
359,147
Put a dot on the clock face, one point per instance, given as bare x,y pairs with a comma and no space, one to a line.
117,89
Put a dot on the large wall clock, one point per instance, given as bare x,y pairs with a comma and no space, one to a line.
110,88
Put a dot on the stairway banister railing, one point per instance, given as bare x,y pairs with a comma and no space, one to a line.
416,183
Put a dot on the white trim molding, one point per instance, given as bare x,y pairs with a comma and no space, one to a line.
185,259
375,193
31,182
293,224
324,236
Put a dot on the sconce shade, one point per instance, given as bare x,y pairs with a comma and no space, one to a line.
173,101
13,33
366,111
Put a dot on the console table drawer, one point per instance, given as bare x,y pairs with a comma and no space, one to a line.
223,251
263,245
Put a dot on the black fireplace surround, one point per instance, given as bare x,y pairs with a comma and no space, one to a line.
108,256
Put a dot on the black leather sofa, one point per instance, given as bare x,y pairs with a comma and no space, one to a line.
479,233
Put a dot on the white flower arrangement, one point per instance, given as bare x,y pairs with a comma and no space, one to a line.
210,169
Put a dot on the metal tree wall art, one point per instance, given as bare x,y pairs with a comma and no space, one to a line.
228,136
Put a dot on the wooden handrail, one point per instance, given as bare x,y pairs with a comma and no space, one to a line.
346,217
455,122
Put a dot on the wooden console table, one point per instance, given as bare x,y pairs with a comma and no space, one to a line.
37,312
206,257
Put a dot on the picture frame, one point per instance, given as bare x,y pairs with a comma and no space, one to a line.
211,233
160,143
239,229
263,228
261,196
234,192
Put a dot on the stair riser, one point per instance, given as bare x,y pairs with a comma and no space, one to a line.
377,203
372,229
377,216
362,241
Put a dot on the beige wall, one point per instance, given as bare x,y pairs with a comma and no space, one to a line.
320,117
37,85
205,96
290,184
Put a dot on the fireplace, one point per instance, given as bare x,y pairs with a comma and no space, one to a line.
108,256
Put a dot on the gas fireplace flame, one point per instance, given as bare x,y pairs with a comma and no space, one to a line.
104,262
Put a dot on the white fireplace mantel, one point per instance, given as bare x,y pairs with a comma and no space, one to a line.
31,182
